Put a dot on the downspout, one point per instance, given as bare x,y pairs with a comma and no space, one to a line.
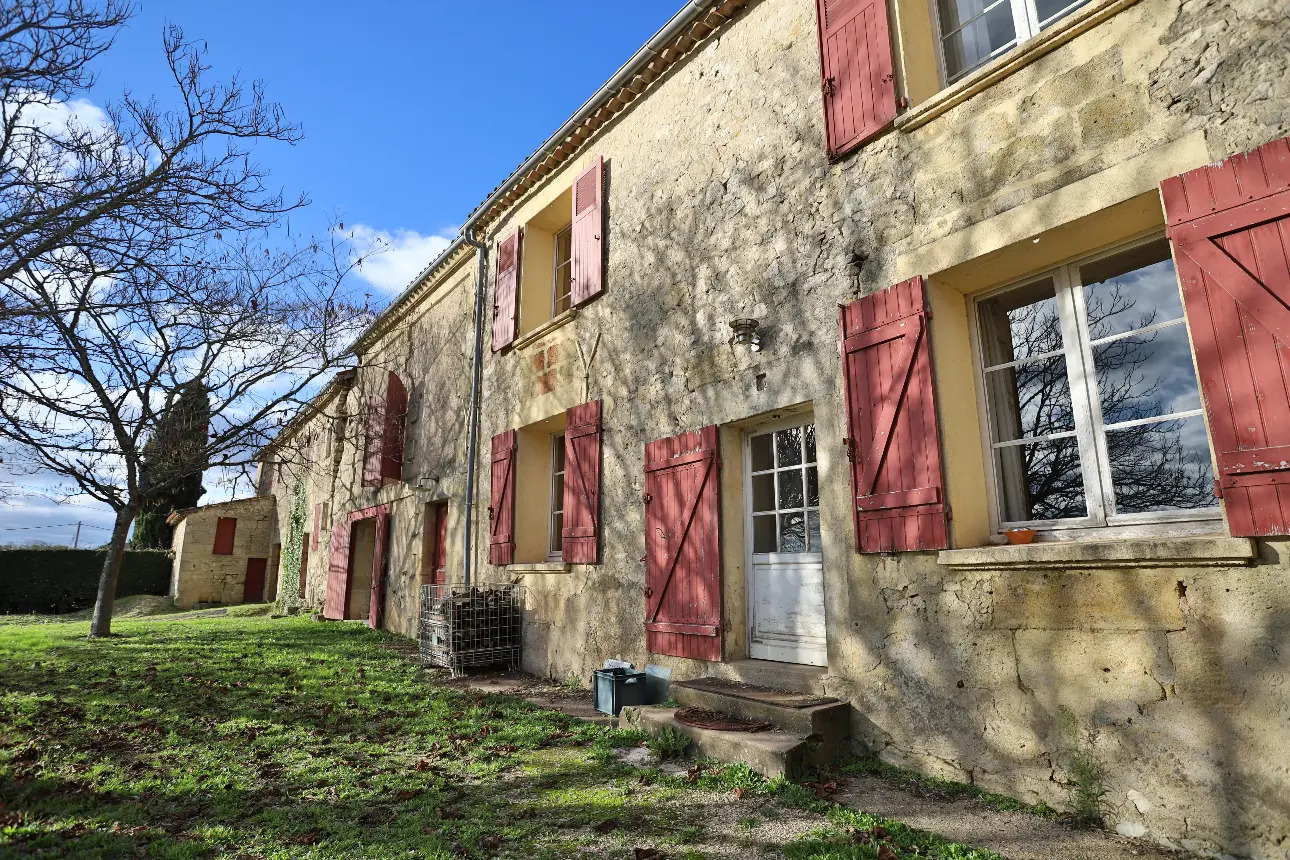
476,373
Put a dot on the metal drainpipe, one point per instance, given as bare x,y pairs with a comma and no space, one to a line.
476,372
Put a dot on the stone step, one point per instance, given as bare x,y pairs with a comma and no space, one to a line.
823,720
779,676
771,754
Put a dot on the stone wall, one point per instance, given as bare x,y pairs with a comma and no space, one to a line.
200,576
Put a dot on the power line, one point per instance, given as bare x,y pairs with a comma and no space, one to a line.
59,526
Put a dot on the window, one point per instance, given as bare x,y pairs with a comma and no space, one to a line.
562,280
973,32
555,527
1093,407
785,491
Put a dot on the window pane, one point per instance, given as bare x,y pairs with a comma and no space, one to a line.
1032,399
788,446
1019,324
557,529
792,532
557,492
954,13
1146,375
762,458
557,453
1041,481
1131,290
790,489
1050,10
812,488
972,45
764,534
1163,466
813,530
810,443
763,489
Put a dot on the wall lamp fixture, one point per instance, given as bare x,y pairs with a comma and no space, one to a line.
746,334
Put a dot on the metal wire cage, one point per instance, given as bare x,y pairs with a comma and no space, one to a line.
463,626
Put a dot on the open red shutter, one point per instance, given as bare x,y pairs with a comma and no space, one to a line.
683,616
378,567
225,532
588,229
396,413
894,444
338,572
506,295
1230,227
313,537
581,533
373,437
501,507
855,64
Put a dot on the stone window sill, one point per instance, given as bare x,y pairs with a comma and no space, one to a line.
1013,61
546,328
538,567
1163,552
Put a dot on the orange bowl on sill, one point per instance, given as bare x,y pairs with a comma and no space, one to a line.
1020,536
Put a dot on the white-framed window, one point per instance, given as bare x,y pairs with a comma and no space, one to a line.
555,523
973,32
785,491
1093,411
562,277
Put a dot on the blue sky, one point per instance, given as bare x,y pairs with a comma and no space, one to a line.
412,113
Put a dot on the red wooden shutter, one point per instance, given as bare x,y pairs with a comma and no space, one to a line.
396,413
506,296
313,538
338,572
501,508
225,531
373,437
894,444
253,585
855,65
304,569
378,567
683,616
588,229
581,533
1230,227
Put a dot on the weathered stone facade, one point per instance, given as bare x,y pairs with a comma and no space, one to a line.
1166,659
200,576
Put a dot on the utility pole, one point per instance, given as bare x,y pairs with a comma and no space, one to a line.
76,541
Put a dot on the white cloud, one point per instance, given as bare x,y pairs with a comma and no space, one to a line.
57,117
399,256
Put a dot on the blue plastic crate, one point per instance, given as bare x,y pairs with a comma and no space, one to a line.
614,689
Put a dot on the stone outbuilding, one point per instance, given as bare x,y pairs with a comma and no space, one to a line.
225,553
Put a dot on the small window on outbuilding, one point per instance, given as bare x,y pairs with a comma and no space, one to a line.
225,531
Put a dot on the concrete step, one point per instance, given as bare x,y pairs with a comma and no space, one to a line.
778,676
771,754
829,721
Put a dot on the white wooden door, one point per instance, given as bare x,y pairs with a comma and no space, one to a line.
785,573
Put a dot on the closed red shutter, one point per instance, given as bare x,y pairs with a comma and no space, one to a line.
313,537
581,532
506,295
683,615
501,508
378,567
1230,228
338,572
225,532
396,413
373,437
855,64
304,569
893,440
588,231
253,585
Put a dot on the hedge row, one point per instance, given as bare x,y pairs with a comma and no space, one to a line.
66,580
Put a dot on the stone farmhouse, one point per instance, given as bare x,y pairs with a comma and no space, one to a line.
760,364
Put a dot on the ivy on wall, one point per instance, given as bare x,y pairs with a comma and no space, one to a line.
289,588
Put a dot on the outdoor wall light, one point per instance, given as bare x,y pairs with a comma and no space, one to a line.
746,334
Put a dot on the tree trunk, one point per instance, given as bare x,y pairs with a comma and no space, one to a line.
101,625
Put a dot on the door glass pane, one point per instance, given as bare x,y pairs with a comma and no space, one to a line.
762,457
764,533
812,488
810,443
788,446
1041,481
1146,375
813,530
1164,466
763,487
1131,290
792,532
790,489
1030,400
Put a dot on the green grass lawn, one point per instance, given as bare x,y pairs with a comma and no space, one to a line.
266,738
